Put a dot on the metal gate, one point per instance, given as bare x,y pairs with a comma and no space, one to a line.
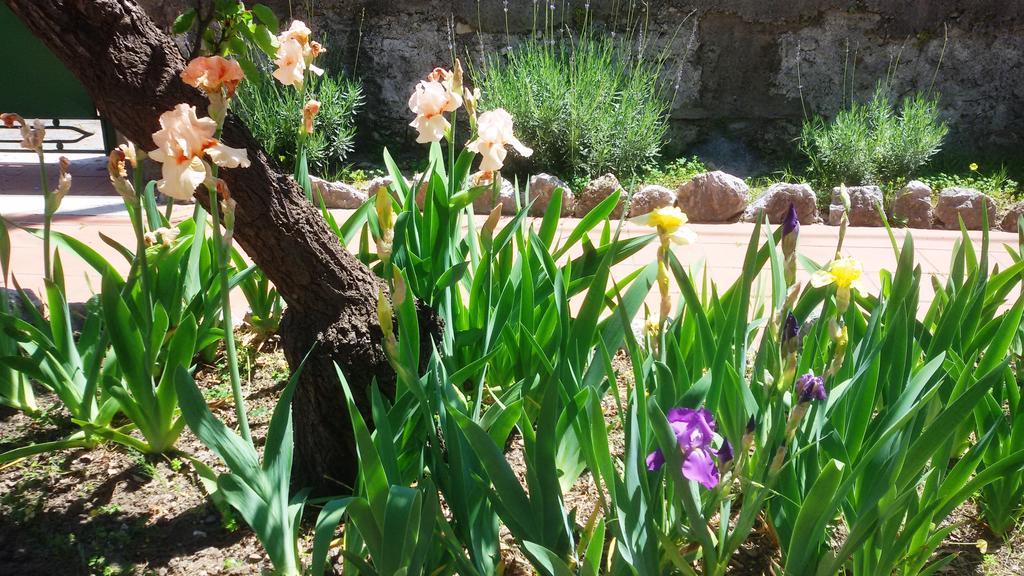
37,85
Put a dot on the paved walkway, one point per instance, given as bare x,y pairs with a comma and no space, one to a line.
720,247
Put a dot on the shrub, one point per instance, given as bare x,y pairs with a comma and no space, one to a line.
585,109
874,143
274,114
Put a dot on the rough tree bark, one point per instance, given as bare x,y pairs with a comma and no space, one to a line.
131,70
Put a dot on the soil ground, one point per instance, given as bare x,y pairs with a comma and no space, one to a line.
108,511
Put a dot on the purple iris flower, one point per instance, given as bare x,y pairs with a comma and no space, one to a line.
810,387
791,223
694,430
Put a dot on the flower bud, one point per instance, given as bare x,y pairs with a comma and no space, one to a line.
725,454
63,183
386,222
843,295
119,176
308,112
790,232
791,223
31,135
748,436
471,98
487,230
229,223
9,119
223,192
778,461
385,315
457,77
398,290
794,419
790,332
386,318
131,154
841,337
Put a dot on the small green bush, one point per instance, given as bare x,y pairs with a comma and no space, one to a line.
997,183
873,143
274,114
674,173
585,109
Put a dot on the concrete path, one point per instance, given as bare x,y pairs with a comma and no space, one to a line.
720,247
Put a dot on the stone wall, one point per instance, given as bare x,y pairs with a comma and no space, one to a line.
742,71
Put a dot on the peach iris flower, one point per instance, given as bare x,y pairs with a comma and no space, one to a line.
210,73
494,132
431,99
181,142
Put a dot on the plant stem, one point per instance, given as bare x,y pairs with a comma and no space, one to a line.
47,218
229,335
140,254
170,208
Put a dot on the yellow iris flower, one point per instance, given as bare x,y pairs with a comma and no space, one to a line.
845,273
670,223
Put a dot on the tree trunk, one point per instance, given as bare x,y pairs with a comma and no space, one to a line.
131,70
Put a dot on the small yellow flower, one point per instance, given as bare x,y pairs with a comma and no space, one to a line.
670,223
973,166
843,272
651,328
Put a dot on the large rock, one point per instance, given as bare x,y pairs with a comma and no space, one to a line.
864,203
337,194
485,202
650,198
1012,216
377,183
713,197
775,201
914,205
595,192
542,187
17,306
966,203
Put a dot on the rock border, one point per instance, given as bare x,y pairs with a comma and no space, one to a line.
719,197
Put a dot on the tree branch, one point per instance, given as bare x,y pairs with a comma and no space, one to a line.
131,69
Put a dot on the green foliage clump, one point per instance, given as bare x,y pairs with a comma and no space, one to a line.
997,184
585,109
274,114
873,143
675,172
